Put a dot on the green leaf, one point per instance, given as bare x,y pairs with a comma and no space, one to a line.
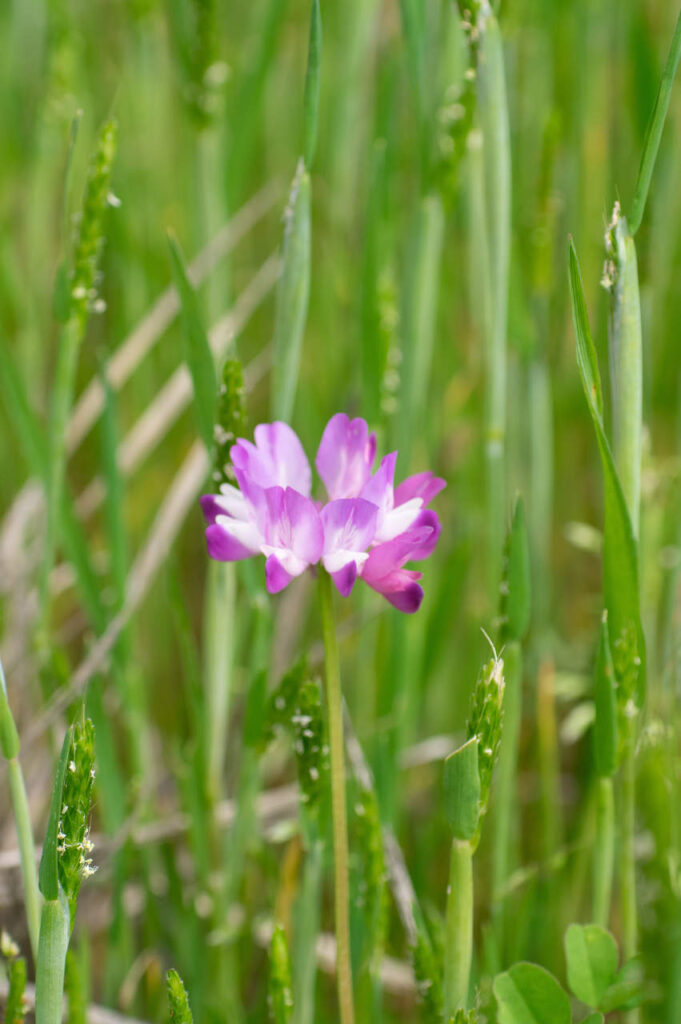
293,294
311,101
178,1000
591,954
197,350
462,790
48,878
654,131
594,1018
516,605
620,564
628,988
527,994
605,726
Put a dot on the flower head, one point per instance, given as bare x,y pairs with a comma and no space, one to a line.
368,528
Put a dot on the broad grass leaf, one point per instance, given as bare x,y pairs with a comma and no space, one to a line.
591,954
620,562
462,790
528,994
198,354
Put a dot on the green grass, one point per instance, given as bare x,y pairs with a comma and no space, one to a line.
369,207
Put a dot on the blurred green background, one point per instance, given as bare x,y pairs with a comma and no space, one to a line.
208,100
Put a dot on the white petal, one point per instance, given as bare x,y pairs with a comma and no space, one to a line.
293,565
337,560
246,533
397,520
232,501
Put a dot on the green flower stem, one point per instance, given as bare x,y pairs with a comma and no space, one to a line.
604,853
52,950
459,927
339,814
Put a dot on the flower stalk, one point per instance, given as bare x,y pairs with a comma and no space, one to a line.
338,807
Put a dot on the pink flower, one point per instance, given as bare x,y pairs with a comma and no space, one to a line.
369,528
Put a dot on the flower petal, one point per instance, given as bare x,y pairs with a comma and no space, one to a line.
349,524
226,546
421,485
293,525
400,588
276,459
345,578
276,576
345,456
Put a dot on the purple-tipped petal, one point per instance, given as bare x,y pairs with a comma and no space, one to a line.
276,459
421,485
224,547
400,588
345,578
345,456
210,508
276,576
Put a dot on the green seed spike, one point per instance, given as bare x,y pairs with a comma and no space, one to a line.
280,992
485,723
231,420
178,1000
15,1007
428,975
372,884
74,846
296,706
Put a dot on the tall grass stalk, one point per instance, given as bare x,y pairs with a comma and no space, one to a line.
9,745
334,710
458,928
494,180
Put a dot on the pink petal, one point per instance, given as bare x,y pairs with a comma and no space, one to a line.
400,589
276,459
421,485
276,577
210,508
379,489
293,524
345,578
349,524
345,456
223,547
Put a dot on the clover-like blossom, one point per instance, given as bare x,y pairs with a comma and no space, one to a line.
368,528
